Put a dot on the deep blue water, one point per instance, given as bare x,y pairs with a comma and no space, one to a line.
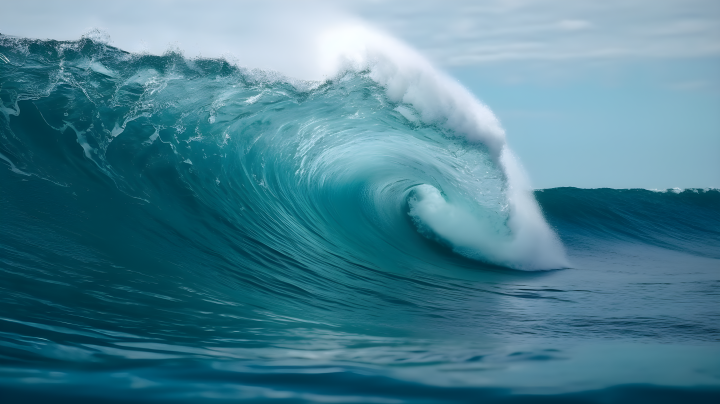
176,230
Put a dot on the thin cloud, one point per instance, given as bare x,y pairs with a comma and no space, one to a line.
467,32
574,25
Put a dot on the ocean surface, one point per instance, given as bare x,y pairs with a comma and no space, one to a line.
186,230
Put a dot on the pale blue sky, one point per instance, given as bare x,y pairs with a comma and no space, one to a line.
613,93
634,124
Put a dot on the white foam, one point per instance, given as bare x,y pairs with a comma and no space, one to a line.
13,168
534,243
409,78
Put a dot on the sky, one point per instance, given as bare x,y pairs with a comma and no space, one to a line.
621,94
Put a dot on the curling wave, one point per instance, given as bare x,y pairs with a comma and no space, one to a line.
385,150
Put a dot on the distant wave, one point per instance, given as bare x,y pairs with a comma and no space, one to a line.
680,219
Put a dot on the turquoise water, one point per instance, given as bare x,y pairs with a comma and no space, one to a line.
186,230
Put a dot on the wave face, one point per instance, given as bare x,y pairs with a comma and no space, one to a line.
176,229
